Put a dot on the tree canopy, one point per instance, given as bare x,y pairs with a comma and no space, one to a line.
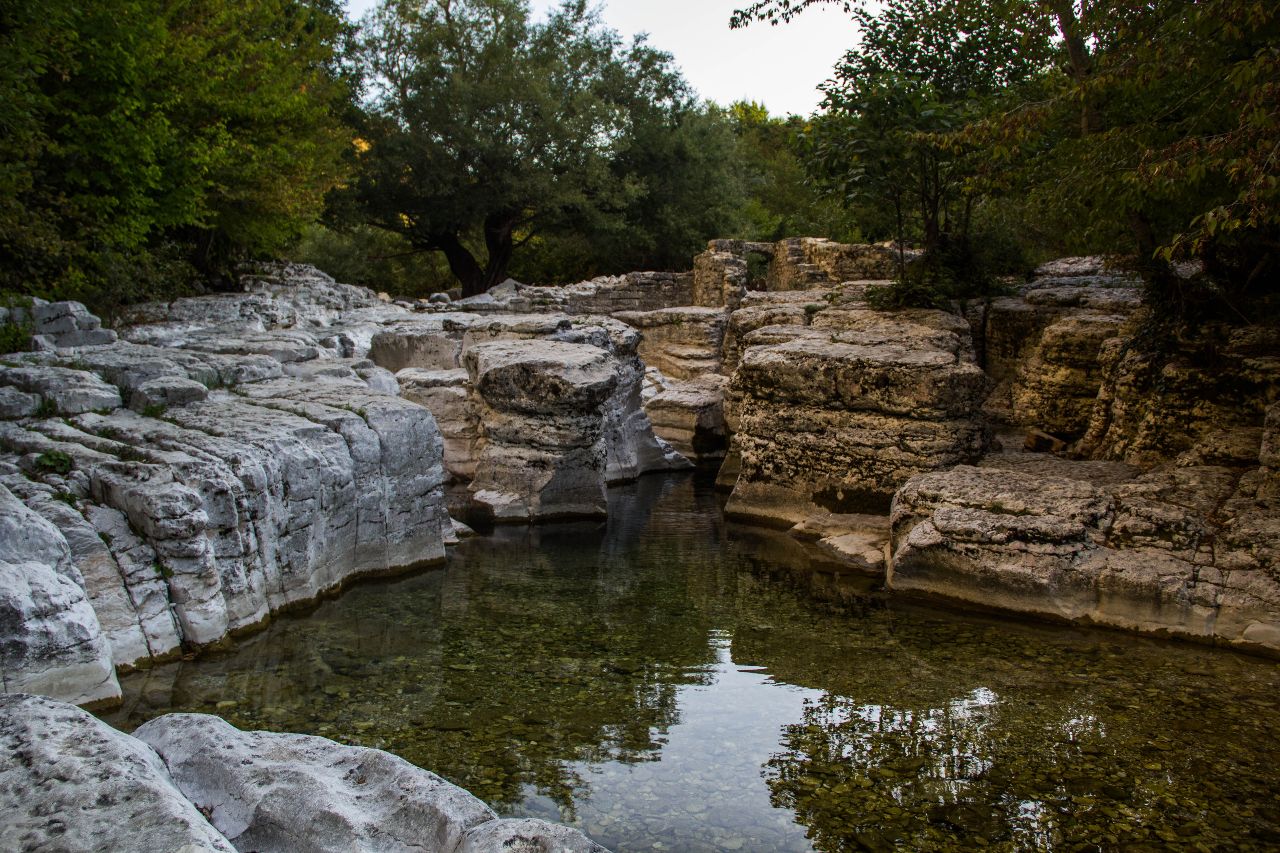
142,130
1148,130
488,131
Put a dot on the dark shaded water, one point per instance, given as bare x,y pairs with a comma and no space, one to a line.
653,681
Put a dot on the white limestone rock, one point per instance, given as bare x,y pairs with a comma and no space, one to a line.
70,782
1128,555
541,453
282,792
66,391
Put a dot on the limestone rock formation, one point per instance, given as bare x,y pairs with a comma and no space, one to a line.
836,415
541,452
1150,554
50,638
683,343
71,782
1044,346
267,455
690,416
286,792
192,782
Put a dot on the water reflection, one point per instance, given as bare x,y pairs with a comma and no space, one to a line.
658,681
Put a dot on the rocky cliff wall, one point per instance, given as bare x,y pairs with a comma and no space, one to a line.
231,456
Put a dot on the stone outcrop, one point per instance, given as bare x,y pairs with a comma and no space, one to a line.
637,291
50,638
541,452
1044,346
1160,553
683,343
730,269
231,456
690,416
71,782
194,783
1207,402
509,448
834,416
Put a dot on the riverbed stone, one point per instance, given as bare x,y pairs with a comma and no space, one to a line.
70,782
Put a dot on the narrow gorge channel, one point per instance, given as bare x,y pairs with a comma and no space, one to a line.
661,681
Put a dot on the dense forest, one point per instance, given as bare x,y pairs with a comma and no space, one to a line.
149,146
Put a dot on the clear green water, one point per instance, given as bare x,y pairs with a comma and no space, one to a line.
663,682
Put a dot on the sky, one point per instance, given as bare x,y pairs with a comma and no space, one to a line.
780,67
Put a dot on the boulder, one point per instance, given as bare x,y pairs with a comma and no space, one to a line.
70,782
1138,555
541,452
283,792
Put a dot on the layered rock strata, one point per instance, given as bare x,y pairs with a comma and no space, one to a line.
235,455
192,782
1179,550
1045,346
834,416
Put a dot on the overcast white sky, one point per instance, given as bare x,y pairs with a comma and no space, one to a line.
780,67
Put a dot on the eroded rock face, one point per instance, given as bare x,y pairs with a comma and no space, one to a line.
50,638
683,343
282,792
1150,554
432,353
1208,402
836,415
541,453
71,782
1045,346
690,416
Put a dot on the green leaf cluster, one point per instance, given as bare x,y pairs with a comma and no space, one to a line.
489,133
1146,130
142,136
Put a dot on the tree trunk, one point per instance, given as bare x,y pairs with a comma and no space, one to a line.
498,241
1080,61
462,264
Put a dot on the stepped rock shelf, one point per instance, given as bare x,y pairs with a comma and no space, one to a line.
214,460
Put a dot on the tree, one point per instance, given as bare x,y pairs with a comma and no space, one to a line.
782,200
139,129
486,125
924,69
1152,134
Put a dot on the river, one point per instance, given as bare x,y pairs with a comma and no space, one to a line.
668,681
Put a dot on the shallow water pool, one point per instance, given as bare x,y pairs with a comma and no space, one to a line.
666,681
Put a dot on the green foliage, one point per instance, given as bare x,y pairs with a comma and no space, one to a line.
490,133
781,199
956,270
54,462
1147,130
373,257
14,336
141,135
